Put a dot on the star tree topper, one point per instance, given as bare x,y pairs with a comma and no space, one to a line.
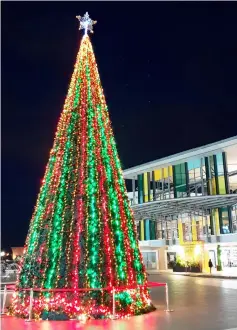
86,23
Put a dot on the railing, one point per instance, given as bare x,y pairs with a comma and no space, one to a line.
109,289
7,289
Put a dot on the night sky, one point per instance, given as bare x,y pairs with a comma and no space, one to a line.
169,72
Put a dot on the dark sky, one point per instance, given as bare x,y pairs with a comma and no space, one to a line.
169,72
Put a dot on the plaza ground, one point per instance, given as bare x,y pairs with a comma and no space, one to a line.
226,274
198,303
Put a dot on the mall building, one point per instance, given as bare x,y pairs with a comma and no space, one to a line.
185,207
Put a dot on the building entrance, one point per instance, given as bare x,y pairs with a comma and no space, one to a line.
150,260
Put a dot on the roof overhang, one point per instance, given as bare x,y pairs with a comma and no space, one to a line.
199,205
181,157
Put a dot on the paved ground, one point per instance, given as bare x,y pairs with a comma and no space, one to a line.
231,273
198,303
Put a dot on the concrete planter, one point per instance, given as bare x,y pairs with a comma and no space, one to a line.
182,269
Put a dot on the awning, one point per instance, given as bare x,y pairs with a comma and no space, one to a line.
199,205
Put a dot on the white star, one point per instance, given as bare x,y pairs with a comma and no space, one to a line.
86,23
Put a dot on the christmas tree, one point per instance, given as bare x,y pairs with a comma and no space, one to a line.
82,234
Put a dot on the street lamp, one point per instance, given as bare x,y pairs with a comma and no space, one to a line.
2,254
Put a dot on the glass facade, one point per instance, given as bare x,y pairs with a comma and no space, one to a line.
146,230
210,175
186,228
150,260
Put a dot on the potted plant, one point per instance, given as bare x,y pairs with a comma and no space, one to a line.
179,266
195,267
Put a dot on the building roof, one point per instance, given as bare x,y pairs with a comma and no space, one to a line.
182,157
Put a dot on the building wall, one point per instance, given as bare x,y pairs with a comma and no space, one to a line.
211,175
202,176
17,251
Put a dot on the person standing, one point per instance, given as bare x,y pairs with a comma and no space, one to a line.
210,265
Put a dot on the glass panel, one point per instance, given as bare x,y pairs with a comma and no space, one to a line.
144,255
149,259
140,188
180,180
190,165
147,230
191,176
175,228
199,224
197,173
164,184
197,163
220,167
204,177
234,218
152,230
225,221
159,230
196,182
168,230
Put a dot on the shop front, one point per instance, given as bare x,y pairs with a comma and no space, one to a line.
186,257
223,256
229,256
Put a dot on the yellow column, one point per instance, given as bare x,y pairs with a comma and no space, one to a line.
142,230
221,182
205,267
145,188
170,171
217,223
180,229
166,173
213,184
157,174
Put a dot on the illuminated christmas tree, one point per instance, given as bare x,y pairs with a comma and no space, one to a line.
82,234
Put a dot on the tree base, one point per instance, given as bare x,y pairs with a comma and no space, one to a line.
82,305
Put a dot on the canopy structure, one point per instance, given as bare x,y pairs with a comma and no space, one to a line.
199,205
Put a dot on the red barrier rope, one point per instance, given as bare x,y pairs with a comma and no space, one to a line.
155,284
121,288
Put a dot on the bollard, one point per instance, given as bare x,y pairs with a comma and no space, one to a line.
167,299
113,296
30,306
4,299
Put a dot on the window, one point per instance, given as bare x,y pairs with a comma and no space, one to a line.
164,188
159,231
180,180
225,220
196,177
